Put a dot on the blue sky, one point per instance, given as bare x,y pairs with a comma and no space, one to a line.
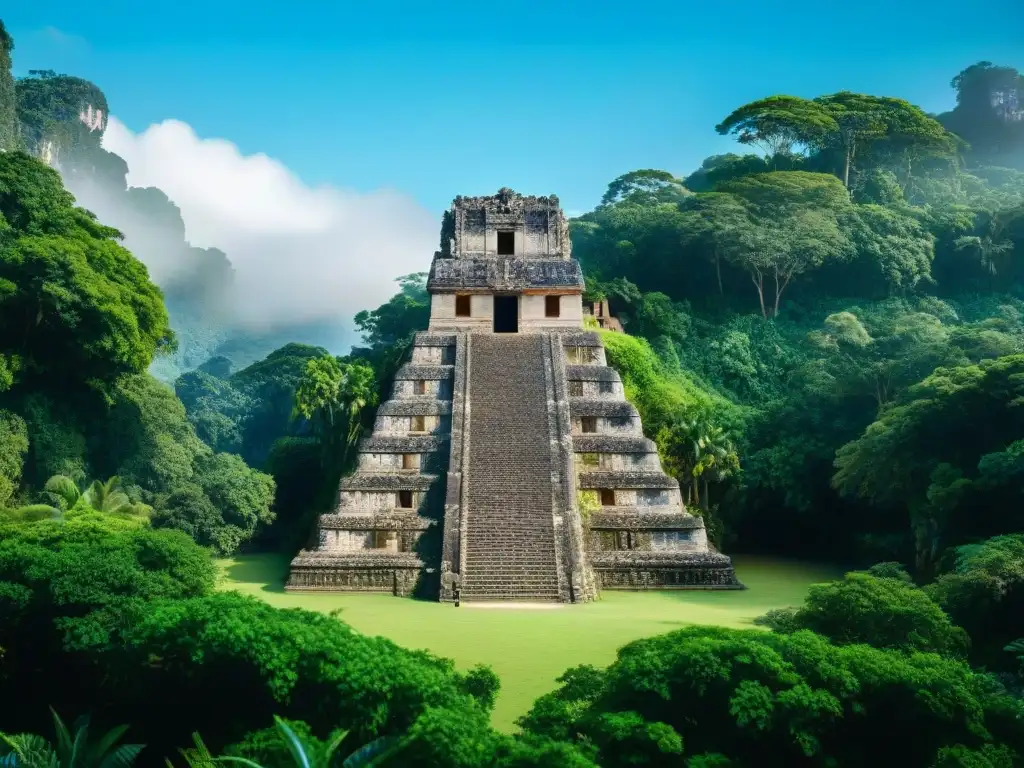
445,98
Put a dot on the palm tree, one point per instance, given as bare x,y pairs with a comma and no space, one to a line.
73,749
303,754
64,488
332,396
695,451
108,498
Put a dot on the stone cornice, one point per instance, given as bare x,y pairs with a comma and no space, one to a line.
401,444
612,444
429,339
415,406
379,481
433,372
608,408
591,373
626,479
634,558
581,339
365,558
504,274
635,520
398,521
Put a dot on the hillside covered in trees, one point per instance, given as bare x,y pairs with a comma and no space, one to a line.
825,339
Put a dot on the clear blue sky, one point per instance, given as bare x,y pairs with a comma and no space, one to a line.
453,97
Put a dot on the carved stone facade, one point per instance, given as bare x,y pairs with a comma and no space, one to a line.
505,265
383,534
508,464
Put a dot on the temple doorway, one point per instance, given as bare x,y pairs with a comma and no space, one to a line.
506,314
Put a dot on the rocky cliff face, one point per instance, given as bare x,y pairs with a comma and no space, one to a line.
60,116
8,100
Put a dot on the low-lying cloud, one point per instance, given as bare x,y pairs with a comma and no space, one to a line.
300,254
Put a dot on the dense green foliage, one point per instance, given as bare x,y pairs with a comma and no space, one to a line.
80,324
886,612
76,306
982,589
747,695
879,257
826,343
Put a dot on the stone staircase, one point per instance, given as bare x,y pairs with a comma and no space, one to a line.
510,537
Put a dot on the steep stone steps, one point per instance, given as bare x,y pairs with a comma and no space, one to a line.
510,539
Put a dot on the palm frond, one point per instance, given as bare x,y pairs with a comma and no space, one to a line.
31,751
64,488
240,760
107,741
373,753
199,755
332,747
1017,646
293,742
122,757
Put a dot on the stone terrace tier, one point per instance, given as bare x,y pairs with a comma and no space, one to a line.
384,533
638,533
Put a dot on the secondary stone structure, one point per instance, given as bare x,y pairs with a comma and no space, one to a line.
508,464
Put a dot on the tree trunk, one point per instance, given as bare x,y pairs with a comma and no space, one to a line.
696,491
718,273
778,291
759,284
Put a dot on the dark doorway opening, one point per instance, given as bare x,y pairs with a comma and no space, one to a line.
506,314
506,243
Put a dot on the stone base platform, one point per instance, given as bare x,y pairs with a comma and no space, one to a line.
670,570
391,574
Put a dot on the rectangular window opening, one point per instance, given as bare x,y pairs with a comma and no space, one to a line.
462,305
409,461
417,424
419,387
590,459
588,424
506,243
607,497
405,499
552,306
605,387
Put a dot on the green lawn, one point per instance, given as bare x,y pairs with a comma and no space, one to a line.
530,648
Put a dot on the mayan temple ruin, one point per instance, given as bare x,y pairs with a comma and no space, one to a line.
508,464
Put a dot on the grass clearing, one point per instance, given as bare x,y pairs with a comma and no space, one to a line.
530,647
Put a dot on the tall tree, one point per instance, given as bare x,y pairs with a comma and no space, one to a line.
898,126
778,124
333,395
713,220
644,188
791,227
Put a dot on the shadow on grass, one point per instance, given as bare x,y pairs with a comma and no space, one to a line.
270,571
